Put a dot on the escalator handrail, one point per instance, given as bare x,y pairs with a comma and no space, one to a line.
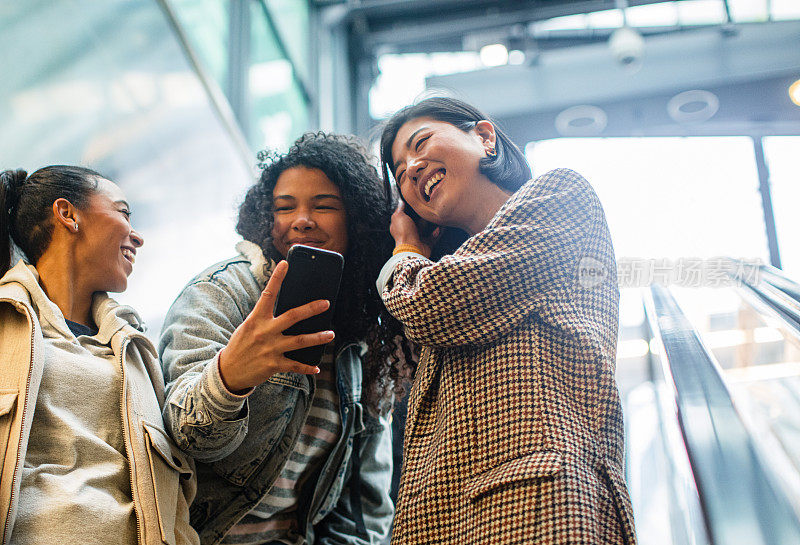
741,503
770,291
779,280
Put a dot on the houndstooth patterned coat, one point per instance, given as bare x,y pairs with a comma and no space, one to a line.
514,430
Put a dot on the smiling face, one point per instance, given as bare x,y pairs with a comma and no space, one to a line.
436,166
308,209
107,244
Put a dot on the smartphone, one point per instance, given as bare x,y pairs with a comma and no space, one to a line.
313,274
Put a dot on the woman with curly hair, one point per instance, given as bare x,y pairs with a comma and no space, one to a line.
287,452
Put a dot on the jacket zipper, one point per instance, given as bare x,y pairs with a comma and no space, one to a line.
126,435
6,536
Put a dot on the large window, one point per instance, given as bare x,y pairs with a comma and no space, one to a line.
669,197
268,74
107,85
784,167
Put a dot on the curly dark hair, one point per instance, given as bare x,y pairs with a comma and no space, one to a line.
360,314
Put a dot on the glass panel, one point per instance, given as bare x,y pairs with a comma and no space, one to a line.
278,110
669,197
107,85
784,170
206,25
402,77
292,18
748,10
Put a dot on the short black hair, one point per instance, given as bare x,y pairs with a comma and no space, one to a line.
508,169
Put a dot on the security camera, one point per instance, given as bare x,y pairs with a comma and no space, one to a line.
627,46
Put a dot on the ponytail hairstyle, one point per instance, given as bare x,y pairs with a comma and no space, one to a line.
26,206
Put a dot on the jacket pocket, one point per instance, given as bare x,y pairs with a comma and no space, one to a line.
167,466
8,402
622,502
537,465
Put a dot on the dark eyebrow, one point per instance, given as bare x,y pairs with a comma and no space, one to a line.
408,143
315,197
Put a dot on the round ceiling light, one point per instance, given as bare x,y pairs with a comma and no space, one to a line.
583,120
693,106
794,92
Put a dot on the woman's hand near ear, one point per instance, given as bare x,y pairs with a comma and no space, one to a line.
405,231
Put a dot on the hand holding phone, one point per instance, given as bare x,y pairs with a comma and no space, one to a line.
313,274
256,349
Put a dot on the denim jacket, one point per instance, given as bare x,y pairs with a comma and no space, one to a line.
242,442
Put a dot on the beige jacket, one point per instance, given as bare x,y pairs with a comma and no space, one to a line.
162,477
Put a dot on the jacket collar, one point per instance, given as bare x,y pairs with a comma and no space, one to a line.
260,267
21,283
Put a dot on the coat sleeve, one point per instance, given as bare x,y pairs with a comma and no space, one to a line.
526,259
206,420
363,513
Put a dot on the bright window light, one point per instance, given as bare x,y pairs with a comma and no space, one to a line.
701,12
669,197
785,9
748,10
494,55
567,22
662,14
608,18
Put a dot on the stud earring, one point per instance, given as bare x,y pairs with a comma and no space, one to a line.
75,227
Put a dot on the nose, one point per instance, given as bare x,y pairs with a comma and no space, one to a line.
136,239
302,221
414,167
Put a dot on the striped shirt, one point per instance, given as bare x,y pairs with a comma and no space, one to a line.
275,518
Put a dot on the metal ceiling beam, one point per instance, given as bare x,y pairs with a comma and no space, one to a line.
426,30
671,63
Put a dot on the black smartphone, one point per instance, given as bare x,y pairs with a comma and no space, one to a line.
313,274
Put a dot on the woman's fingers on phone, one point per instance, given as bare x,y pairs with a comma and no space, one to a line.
297,314
266,302
309,339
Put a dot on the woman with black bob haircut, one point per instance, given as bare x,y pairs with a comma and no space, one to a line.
507,169
83,449
290,452
514,433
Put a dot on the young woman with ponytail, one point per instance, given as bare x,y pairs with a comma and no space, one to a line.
84,457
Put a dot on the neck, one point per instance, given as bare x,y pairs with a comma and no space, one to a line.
489,201
60,281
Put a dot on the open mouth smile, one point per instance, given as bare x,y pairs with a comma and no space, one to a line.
129,254
432,182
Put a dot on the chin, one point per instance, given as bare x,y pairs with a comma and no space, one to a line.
118,285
